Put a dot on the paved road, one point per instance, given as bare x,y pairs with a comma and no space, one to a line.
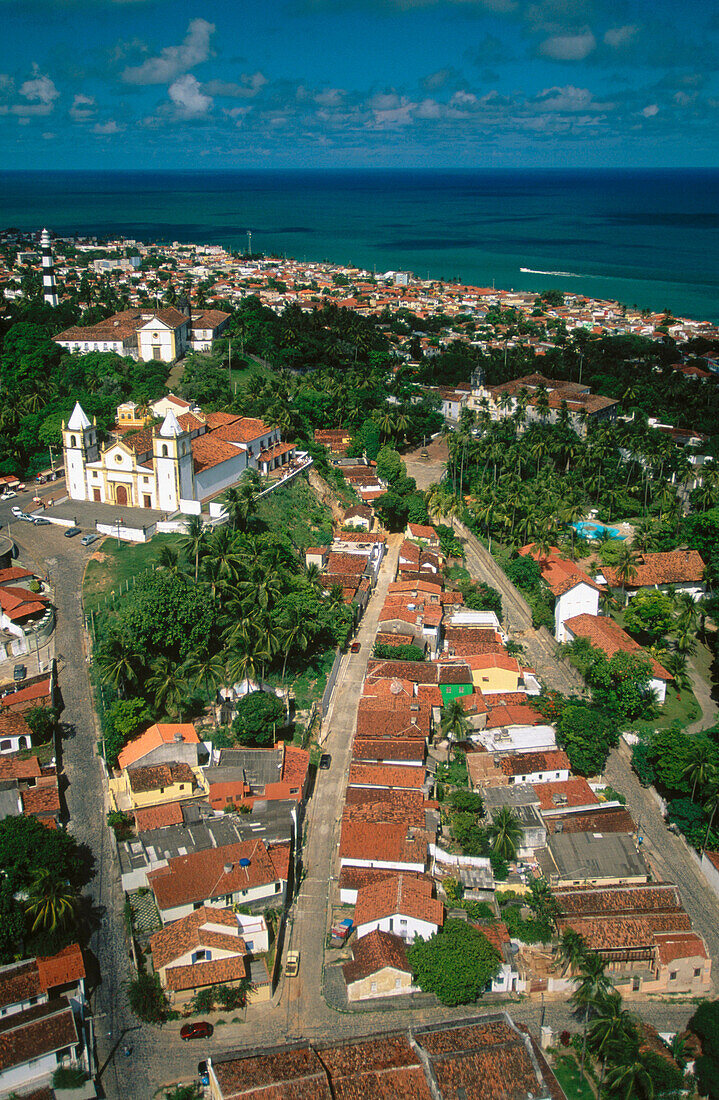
302,998
64,561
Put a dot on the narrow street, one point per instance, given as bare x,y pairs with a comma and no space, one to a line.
302,997
84,796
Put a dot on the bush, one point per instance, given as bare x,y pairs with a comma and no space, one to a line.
467,802
398,652
147,999
42,721
68,1077
524,573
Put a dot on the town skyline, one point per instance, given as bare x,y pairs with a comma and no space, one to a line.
303,84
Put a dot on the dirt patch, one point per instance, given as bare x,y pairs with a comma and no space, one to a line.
427,471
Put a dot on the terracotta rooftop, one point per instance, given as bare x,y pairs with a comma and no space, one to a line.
199,876
593,901
162,733
375,952
401,776
158,817
572,792
530,763
397,895
205,927
383,843
154,777
43,1029
670,567
387,749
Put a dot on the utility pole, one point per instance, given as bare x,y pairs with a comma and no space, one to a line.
249,242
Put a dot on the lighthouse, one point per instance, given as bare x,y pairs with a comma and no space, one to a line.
49,292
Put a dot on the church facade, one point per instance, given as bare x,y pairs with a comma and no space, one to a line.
171,467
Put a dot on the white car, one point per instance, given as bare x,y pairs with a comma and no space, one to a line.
8,495
17,511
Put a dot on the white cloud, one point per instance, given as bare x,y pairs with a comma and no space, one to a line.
48,135
569,47
174,60
39,90
565,99
189,99
651,110
616,37
110,127
83,107
248,87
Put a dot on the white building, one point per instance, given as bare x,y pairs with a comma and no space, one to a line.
169,468
402,904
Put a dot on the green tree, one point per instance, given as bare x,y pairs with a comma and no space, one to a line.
592,988
43,723
650,614
147,999
50,903
207,669
455,964
630,1081
168,687
613,1031
258,715
505,832
454,724
164,616
26,846
121,721
12,926
586,735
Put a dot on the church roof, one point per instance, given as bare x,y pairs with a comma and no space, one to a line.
78,421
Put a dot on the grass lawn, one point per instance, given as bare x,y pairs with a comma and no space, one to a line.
684,709
115,566
566,1070
295,510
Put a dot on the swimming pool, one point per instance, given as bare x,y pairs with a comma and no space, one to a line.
591,530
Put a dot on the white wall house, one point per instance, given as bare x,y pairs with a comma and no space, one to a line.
580,599
400,904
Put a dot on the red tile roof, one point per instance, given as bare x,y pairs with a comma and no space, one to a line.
398,896
162,733
197,929
158,817
43,1029
374,952
670,567
572,792
386,775
201,875
531,763
66,966
383,843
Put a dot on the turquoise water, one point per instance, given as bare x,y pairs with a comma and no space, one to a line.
597,530
649,238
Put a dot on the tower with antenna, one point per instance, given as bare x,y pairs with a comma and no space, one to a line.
49,291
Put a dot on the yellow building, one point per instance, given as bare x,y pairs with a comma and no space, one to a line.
154,785
495,672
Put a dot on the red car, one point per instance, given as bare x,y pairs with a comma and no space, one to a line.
200,1030
355,647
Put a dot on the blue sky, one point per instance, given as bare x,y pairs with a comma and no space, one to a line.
358,83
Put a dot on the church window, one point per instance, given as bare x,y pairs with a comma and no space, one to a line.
73,441
118,458
165,451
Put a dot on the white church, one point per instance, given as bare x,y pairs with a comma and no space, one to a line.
191,457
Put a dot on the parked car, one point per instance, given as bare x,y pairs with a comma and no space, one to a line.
325,761
293,964
355,647
71,532
203,1073
200,1030
87,540
7,495
26,516
40,521
17,511
19,673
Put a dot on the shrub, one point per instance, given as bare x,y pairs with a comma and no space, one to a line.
467,801
147,999
68,1077
257,718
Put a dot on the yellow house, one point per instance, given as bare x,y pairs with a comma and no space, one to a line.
495,672
154,785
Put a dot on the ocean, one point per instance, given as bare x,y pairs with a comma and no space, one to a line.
646,238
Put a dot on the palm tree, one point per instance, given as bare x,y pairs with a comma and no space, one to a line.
294,633
222,560
613,1029
169,560
701,768
630,1082
572,949
711,804
207,669
454,722
51,902
593,987
505,833
241,665
168,685
626,567
120,664
193,543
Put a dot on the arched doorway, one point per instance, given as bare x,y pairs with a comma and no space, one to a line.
121,494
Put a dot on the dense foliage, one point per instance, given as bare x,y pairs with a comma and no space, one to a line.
457,963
